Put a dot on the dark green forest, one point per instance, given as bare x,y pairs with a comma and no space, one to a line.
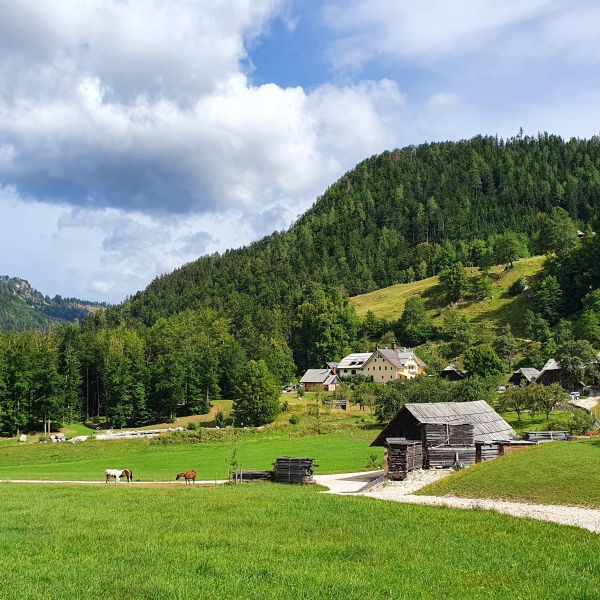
397,217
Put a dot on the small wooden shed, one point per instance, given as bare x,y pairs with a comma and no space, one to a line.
488,425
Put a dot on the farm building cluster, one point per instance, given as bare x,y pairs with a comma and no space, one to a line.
449,434
382,365
551,372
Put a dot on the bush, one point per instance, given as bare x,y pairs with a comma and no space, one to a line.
576,422
285,406
374,462
193,426
43,438
220,419
518,286
294,420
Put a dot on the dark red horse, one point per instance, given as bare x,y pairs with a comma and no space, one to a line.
189,476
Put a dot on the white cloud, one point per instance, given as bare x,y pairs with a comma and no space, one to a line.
433,31
443,101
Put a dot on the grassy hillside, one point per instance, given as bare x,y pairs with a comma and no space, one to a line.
498,310
554,473
274,541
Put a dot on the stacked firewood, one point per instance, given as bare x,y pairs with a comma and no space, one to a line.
294,470
403,457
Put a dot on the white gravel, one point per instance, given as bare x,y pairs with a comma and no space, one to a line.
404,491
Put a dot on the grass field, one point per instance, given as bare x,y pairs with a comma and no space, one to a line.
343,451
554,473
500,309
268,541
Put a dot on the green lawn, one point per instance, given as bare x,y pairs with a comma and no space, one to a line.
339,452
554,473
498,310
267,541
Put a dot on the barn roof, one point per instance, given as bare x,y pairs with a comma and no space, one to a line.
323,376
488,425
452,369
529,373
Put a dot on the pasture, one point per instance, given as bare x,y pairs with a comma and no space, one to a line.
498,310
274,541
553,473
338,452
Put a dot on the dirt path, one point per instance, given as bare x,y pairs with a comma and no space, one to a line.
133,483
404,491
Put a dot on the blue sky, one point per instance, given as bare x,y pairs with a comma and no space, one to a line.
136,136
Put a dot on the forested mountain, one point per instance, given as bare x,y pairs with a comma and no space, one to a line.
397,217
22,307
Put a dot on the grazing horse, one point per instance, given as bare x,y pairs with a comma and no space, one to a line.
117,474
189,476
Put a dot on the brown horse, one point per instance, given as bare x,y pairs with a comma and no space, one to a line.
189,476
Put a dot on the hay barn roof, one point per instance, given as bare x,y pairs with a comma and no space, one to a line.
488,425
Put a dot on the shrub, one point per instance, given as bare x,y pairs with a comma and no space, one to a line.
294,420
518,286
193,426
576,422
220,419
43,438
285,406
373,462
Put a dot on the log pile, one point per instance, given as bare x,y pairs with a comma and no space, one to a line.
247,476
403,456
445,456
487,451
546,436
437,434
294,470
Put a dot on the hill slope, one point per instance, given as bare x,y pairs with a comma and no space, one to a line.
394,217
497,310
22,307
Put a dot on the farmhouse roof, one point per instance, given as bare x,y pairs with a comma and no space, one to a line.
323,376
332,365
354,361
399,357
488,425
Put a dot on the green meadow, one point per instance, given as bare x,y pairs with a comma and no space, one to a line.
273,541
343,451
552,473
498,310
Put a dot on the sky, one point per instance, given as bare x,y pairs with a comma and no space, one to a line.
138,135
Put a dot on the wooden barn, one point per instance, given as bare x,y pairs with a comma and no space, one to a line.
452,373
553,373
524,376
440,433
488,425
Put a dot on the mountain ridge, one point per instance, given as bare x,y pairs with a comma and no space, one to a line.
23,307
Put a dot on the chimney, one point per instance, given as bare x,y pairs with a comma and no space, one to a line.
394,344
